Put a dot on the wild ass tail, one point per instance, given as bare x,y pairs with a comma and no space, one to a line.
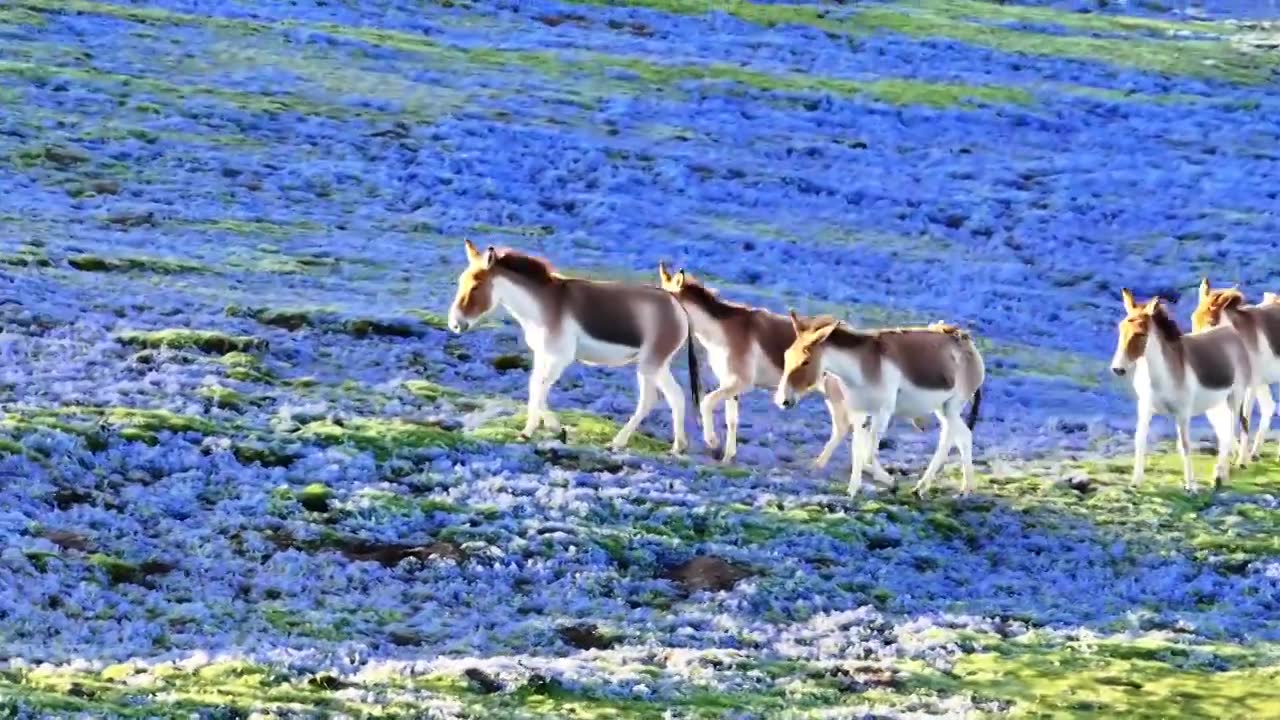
972,418
695,382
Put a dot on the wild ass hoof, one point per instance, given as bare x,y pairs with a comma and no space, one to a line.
711,441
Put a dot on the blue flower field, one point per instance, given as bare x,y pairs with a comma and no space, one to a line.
245,471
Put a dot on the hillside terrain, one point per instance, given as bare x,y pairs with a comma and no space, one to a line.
246,471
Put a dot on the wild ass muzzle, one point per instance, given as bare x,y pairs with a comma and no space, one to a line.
1259,328
566,319
905,372
745,347
1182,375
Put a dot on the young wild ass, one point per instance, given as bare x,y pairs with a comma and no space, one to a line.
745,348
1259,328
906,372
1183,375
596,323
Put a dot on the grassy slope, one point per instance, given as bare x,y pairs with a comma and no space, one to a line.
1135,676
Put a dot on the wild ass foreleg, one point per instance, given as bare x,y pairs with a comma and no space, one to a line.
674,396
1266,408
547,369
648,394
1224,419
839,428
861,433
708,409
946,439
730,429
1140,434
1184,449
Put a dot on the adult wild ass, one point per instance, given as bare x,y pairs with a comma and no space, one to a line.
596,323
745,348
1205,372
1259,328
907,372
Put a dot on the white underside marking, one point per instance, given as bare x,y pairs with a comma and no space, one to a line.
591,351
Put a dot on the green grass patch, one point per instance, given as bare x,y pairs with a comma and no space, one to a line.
1075,683
206,341
384,437
430,391
162,266
585,429
242,366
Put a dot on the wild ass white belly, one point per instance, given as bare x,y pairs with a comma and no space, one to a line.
917,402
1268,367
590,351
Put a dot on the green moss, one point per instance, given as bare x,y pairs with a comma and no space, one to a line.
267,228
1071,683
223,397
287,319
245,367
430,319
315,497
583,429
117,570
384,437
430,391
208,341
365,327
163,266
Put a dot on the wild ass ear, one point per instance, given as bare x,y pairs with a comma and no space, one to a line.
473,253
1152,305
1204,288
822,333
796,323
677,283
490,257
664,277
1129,304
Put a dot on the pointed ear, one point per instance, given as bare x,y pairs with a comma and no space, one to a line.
796,324
678,281
1152,304
1204,288
490,257
473,253
664,277
822,333
1129,304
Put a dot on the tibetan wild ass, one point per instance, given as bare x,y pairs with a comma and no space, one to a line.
906,372
1206,372
596,323
1259,328
745,348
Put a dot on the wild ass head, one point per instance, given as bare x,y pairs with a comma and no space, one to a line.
802,362
1134,330
475,288
1212,304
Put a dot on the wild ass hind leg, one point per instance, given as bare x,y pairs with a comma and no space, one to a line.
674,395
839,421
1242,409
1140,433
964,443
1184,450
879,425
1266,408
648,394
708,409
861,434
731,407
946,438
1223,418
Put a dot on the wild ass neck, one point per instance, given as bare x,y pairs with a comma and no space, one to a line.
521,303
1163,358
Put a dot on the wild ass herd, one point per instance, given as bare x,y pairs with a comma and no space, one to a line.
866,377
